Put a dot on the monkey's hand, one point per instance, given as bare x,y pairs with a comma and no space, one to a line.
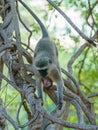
41,100
59,106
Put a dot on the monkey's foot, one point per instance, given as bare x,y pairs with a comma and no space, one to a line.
58,112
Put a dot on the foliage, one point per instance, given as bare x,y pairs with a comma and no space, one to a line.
79,60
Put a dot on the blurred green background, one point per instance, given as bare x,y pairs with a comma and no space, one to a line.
68,42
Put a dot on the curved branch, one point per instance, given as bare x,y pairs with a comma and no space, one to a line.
72,24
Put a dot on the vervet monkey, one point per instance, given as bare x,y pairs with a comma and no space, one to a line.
45,62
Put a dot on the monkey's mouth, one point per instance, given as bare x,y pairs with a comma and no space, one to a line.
43,73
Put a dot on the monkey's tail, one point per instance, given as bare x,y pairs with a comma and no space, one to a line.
44,31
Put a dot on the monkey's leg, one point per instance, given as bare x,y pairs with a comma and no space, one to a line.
55,75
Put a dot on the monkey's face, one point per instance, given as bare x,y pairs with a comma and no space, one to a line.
43,71
42,65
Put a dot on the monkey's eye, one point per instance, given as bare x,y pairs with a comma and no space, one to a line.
50,61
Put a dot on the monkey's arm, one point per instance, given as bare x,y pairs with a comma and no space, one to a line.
39,88
60,86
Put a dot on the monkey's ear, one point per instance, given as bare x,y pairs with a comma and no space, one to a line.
50,61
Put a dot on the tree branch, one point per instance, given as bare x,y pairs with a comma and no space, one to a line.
72,24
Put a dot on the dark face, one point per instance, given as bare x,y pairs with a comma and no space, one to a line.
43,73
